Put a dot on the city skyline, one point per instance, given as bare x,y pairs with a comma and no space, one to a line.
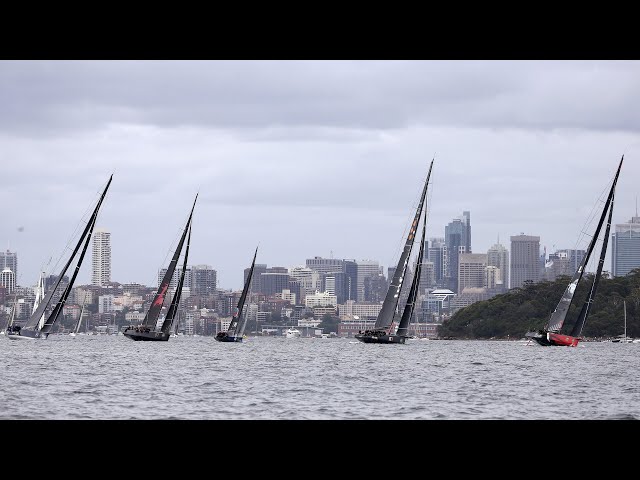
307,162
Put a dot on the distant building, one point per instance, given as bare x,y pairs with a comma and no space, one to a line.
272,283
365,268
101,257
8,279
525,260
498,256
320,299
625,242
258,269
471,270
558,264
325,265
362,310
9,260
203,280
458,241
437,254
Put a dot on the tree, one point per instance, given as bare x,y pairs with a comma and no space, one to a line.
329,323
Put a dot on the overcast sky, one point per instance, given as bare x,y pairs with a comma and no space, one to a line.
307,158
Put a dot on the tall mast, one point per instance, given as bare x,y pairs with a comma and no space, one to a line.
557,317
35,316
238,318
46,328
175,302
413,292
385,317
586,307
151,317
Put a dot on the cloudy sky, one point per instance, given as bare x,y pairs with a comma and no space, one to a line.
307,158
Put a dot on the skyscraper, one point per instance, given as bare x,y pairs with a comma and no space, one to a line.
101,259
471,270
498,256
525,260
457,237
258,268
350,268
625,242
325,265
437,254
203,280
9,260
8,279
366,268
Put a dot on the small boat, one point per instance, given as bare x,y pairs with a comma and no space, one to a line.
550,335
147,331
36,327
76,330
623,338
382,331
293,333
235,332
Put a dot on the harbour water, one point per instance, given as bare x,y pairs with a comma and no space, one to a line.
197,378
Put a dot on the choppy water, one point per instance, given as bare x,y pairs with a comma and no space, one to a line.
112,377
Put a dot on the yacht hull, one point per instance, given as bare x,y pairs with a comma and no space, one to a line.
395,339
147,336
228,338
550,339
26,335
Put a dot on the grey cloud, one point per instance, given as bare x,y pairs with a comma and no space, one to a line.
54,96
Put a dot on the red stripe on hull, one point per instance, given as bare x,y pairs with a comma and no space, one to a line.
562,340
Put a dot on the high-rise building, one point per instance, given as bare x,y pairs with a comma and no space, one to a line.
8,279
101,259
437,254
471,270
274,282
493,278
427,276
366,268
258,269
9,260
457,237
525,260
203,280
325,265
574,257
350,269
498,256
173,284
625,242
308,279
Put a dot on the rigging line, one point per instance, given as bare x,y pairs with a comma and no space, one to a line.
74,235
409,220
164,263
592,215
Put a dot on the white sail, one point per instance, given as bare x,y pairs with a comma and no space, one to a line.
39,297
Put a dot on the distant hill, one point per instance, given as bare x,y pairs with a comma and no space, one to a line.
522,309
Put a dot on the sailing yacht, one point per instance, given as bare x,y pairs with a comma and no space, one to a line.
148,330
77,329
550,335
383,330
623,338
238,322
36,326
